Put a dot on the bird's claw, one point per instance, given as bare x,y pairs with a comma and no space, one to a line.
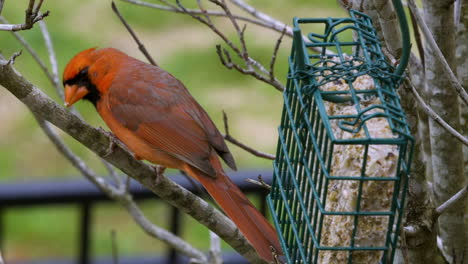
159,169
112,142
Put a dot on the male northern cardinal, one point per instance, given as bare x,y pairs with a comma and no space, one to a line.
155,116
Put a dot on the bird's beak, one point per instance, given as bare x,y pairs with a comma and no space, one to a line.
74,93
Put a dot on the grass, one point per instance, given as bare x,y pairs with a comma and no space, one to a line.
181,46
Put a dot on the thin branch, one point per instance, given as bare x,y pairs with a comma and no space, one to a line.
52,58
95,140
451,201
215,249
262,20
73,159
228,61
274,24
275,53
32,16
160,233
243,146
207,13
438,54
240,32
32,52
259,182
211,26
141,47
428,110
13,57
113,174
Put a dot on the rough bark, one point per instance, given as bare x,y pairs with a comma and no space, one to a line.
461,54
389,25
447,156
98,142
418,241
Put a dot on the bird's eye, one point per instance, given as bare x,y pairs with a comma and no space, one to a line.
84,71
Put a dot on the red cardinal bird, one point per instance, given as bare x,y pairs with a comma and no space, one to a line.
155,116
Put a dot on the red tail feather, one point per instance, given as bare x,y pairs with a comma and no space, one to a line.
248,219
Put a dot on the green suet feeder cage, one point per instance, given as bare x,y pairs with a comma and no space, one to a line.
344,149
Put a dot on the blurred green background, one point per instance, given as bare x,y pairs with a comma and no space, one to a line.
179,44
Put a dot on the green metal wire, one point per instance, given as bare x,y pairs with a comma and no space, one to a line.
306,143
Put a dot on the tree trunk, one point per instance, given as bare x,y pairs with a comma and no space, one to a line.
447,156
461,54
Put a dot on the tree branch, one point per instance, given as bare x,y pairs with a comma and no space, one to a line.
451,201
141,47
95,140
438,54
274,24
215,13
32,16
243,146
31,51
242,52
52,58
428,110
215,249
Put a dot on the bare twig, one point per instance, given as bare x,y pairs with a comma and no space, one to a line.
141,47
428,110
274,24
438,54
275,53
215,13
234,141
74,160
242,52
32,16
52,58
160,233
260,182
240,32
13,57
261,19
215,249
32,52
113,174
451,201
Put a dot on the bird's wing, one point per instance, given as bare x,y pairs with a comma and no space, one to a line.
159,109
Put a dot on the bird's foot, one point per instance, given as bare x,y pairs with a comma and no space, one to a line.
159,169
113,141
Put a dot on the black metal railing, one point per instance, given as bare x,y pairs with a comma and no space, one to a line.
83,193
